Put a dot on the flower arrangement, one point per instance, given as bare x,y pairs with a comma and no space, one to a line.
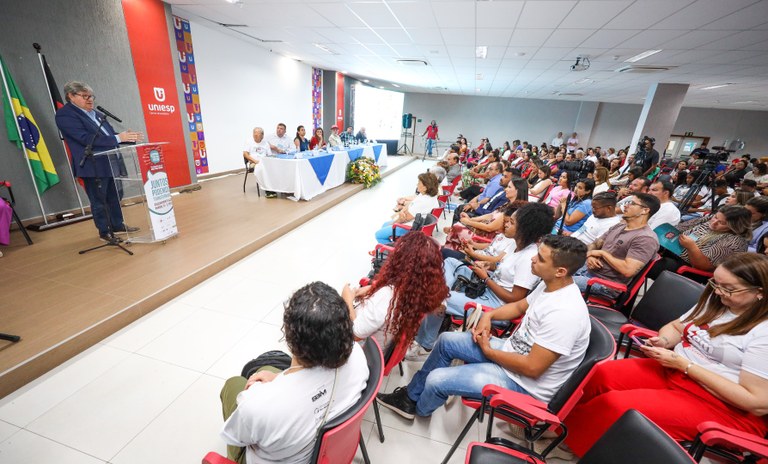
363,171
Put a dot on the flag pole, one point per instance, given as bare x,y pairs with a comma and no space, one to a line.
61,138
23,150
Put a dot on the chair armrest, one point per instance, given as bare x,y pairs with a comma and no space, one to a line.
714,434
364,281
479,239
525,406
216,458
692,270
631,329
607,283
381,247
397,225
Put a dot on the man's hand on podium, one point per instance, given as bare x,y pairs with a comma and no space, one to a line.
130,136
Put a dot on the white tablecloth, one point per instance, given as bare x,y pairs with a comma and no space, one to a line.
297,176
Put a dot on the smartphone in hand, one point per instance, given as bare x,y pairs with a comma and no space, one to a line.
641,341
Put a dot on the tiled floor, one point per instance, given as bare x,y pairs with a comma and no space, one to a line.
149,393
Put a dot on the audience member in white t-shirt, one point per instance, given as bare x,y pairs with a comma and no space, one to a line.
408,286
668,212
511,280
603,218
408,207
274,416
539,356
256,147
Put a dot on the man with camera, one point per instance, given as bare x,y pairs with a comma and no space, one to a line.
647,157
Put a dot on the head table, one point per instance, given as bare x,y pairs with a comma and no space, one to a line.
310,173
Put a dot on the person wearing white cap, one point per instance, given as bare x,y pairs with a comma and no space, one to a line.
334,140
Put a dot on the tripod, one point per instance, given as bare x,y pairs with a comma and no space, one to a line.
404,147
706,172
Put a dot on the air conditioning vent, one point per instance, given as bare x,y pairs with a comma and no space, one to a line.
569,94
411,62
636,68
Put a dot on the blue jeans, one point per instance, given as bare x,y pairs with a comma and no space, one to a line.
582,276
689,216
454,305
430,144
436,380
384,235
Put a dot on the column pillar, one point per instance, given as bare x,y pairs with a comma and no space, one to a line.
659,114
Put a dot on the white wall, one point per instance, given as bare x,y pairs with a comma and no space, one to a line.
242,86
506,119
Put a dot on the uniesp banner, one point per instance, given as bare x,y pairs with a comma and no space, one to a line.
157,191
340,101
183,32
151,52
317,98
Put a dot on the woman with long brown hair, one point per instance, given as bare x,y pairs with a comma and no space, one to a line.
409,286
711,364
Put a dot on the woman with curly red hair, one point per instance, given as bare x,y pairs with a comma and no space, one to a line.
409,285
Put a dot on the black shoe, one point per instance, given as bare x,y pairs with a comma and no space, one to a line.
109,238
270,195
125,229
398,402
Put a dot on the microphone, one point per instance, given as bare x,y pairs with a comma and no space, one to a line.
107,113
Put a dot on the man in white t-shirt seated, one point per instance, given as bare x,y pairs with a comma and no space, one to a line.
548,344
668,212
274,417
603,218
256,147
279,142
557,141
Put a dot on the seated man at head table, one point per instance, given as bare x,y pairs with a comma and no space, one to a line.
279,142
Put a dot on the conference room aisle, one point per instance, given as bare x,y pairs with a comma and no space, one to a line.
150,393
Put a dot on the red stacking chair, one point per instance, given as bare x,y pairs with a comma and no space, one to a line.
428,228
439,211
628,293
600,349
338,439
633,438
12,201
394,357
729,444
444,201
698,275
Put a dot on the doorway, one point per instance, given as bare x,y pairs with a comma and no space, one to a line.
680,146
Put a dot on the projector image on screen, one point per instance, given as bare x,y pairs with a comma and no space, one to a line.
379,111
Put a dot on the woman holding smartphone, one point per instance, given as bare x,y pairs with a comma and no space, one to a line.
711,364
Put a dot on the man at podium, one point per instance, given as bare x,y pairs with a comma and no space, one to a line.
84,128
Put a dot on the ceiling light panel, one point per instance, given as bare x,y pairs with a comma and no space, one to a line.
641,56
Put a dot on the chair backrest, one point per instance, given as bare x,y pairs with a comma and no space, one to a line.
338,439
395,355
547,192
635,439
430,221
601,348
670,296
624,303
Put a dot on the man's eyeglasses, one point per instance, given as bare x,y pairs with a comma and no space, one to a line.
86,96
725,291
635,203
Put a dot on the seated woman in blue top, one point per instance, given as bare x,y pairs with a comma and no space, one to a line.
301,142
579,209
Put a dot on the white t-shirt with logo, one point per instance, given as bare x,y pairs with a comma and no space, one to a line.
515,268
726,355
371,316
559,322
499,244
283,143
257,150
667,214
277,421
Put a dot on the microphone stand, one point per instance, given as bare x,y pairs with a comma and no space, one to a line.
113,241
565,211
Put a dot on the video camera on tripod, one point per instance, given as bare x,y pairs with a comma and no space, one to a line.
720,155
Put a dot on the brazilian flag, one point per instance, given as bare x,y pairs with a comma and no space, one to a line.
15,108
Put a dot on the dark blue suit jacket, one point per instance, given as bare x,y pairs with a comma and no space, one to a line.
78,130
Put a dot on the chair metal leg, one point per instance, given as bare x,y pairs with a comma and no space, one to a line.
245,179
258,190
463,434
400,365
17,220
364,451
9,337
378,420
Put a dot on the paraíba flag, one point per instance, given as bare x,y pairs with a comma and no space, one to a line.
15,108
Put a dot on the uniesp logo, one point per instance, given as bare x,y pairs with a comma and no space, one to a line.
157,108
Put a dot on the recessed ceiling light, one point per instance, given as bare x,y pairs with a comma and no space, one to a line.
712,87
481,52
519,54
381,86
641,56
477,90
744,102
586,80
343,72
324,48
395,85
366,81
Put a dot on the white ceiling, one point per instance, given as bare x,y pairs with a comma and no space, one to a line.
531,44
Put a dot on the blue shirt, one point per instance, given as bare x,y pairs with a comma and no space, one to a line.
499,199
585,206
493,187
757,234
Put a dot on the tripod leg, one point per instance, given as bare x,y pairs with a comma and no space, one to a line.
9,337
